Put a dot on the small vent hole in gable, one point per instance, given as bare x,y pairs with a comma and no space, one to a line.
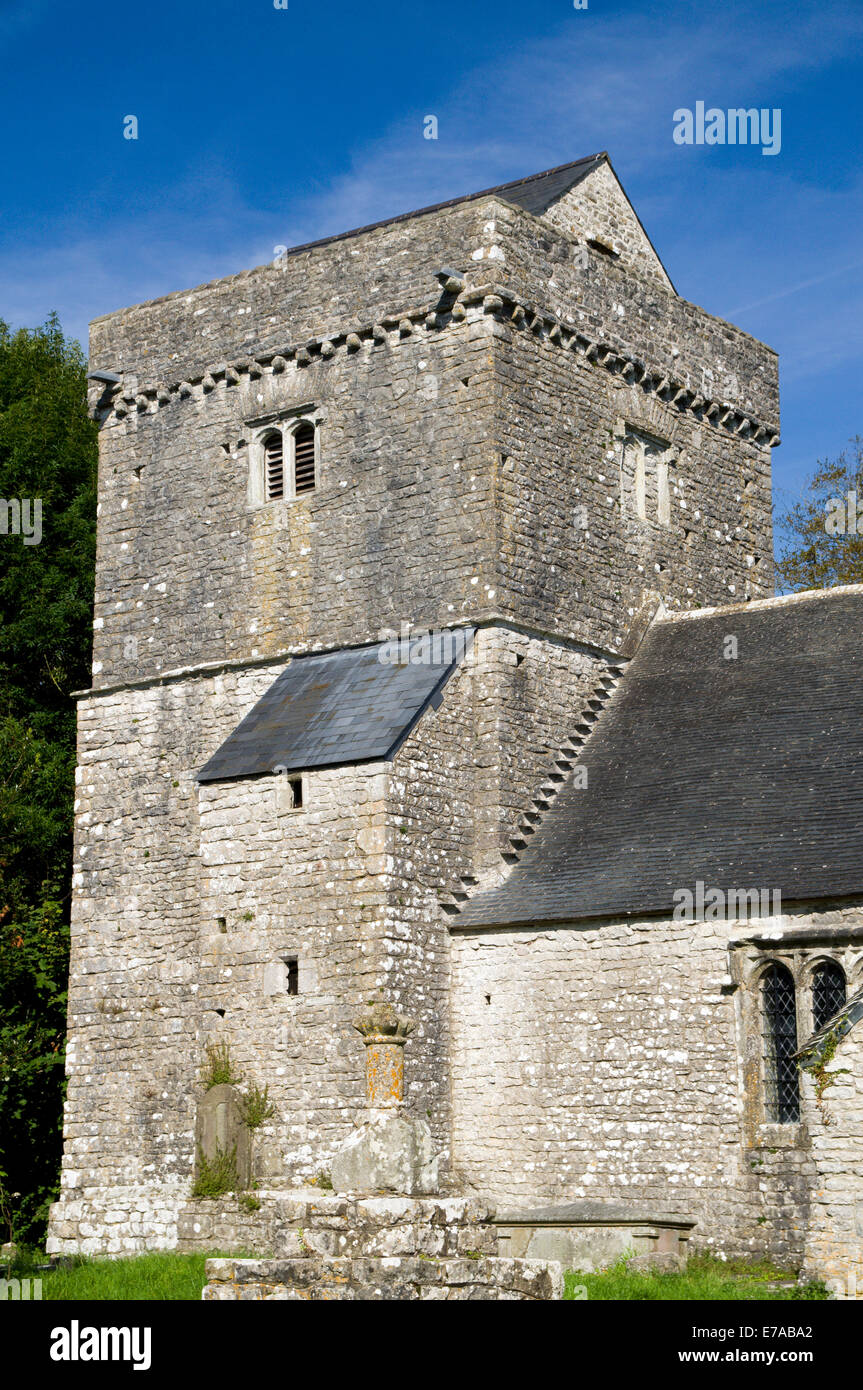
604,249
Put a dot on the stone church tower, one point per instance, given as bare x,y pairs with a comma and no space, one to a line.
493,421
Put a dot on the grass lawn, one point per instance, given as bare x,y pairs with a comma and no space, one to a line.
169,1277
160,1277
705,1279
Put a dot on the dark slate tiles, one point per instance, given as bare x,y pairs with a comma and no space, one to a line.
534,194
742,773
350,706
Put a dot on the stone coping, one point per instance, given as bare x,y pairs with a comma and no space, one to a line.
591,1213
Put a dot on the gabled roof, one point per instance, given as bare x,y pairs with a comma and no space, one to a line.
350,706
534,193
742,773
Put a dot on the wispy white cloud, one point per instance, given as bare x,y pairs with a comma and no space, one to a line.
584,86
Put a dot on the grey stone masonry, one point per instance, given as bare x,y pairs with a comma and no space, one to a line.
520,428
458,436
406,1279
833,1103
624,1061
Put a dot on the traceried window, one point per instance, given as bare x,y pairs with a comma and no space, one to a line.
779,1023
828,992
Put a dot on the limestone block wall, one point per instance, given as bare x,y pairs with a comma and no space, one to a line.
604,1060
457,788
308,886
321,289
193,902
400,528
615,300
574,553
456,443
597,208
186,901
834,1237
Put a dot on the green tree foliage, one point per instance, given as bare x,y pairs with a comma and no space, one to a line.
812,557
48,451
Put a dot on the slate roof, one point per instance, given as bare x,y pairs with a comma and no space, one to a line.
351,706
743,773
534,193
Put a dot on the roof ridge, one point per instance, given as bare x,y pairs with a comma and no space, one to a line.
746,605
350,232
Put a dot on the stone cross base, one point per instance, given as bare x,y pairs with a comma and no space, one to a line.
389,1152
416,1248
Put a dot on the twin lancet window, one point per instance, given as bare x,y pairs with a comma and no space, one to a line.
780,1033
290,464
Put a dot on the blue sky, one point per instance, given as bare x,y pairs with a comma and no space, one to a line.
260,127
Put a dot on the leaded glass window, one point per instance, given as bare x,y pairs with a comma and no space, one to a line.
779,1012
828,992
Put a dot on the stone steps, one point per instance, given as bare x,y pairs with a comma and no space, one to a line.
549,789
408,1279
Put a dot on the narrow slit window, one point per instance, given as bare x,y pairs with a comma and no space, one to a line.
296,789
274,467
828,992
304,459
779,1017
292,976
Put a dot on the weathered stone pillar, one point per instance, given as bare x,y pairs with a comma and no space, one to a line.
384,1033
389,1151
